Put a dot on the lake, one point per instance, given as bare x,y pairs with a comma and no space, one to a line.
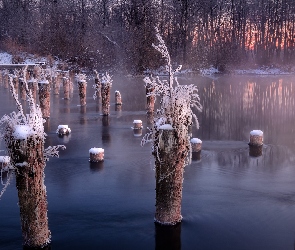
230,199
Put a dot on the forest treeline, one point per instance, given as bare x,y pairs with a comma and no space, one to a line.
119,33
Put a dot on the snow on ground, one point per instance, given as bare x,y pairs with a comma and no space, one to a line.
5,58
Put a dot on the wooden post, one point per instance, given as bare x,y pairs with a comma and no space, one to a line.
56,84
15,82
22,88
97,88
27,155
256,143
66,87
150,98
137,124
118,97
96,154
170,162
44,98
196,145
105,94
82,91
32,85
6,79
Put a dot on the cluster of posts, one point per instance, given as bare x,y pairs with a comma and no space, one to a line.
30,184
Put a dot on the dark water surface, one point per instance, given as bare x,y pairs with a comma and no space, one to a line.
230,200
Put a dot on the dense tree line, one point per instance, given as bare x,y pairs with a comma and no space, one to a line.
119,33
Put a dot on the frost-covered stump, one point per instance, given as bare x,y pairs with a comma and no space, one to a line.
97,86
150,98
118,98
96,154
44,98
105,94
22,88
196,145
82,91
63,130
256,143
32,85
137,124
27,154
170,163
66,87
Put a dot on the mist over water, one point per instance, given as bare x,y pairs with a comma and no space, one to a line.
230,200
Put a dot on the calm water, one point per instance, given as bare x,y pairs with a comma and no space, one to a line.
230,200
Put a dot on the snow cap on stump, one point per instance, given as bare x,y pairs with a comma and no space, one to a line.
96,154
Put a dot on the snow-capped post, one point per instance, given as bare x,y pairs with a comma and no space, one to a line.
118,97
24,138
32,86
106,83
82,85
196,145
66,87
96,154
150,97
256,143
169,136
137,124
44,97
97,86
63,130
137,128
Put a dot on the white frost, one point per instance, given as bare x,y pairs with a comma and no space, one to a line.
137,121
166,127
256,132
4,159
63,126
22,131
195,140
96,150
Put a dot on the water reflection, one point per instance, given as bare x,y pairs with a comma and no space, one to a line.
232,108
105,130
96,166
168,237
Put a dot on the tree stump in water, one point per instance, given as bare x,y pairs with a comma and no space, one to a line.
256,143
32,85
82,91
105,94
97,88
118,98
44,98
27,155
170,162
22,88
56,84
96,154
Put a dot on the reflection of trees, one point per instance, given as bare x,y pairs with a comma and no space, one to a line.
232,108
237,157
